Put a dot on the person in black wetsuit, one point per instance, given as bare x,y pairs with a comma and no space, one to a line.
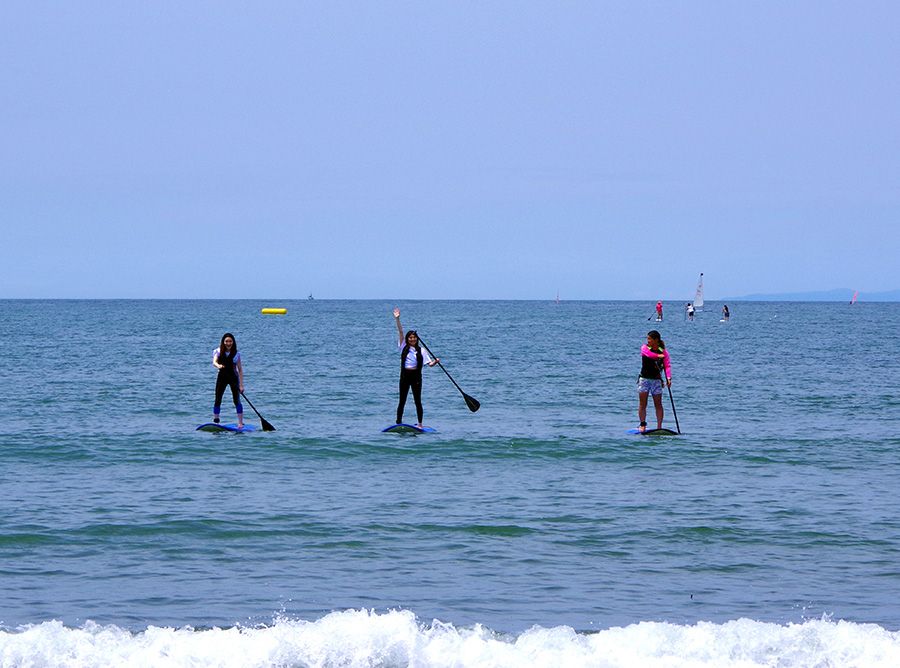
227,360
412,358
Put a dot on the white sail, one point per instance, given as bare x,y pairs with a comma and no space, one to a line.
698,298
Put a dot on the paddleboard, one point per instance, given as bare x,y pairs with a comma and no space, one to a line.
653,432
212,426
408,429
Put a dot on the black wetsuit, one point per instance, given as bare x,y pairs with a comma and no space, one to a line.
227,377
410,378
651,368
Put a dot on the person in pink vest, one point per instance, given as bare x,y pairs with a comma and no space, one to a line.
654,361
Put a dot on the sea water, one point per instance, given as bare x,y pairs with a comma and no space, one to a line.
535,532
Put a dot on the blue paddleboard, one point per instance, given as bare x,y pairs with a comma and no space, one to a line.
408,429
212,426
653,432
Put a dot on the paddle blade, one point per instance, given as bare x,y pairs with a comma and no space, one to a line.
471,402
266,425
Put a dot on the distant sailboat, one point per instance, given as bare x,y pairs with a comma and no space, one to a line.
853,298
557,296
698,298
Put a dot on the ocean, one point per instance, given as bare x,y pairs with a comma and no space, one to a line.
534,532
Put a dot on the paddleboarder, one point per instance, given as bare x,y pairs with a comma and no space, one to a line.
227,360
690,311
412,358
654,359
659,311
726,314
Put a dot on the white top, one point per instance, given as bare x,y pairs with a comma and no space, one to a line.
411,358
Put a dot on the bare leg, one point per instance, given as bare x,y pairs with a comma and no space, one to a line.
642,407
658,404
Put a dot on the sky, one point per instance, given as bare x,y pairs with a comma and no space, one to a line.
447,150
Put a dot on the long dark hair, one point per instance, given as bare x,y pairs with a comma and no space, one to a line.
407,348
653,334
406,339
228,335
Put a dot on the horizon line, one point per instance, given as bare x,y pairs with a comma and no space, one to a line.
750,298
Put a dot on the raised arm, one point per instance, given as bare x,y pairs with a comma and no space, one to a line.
399,327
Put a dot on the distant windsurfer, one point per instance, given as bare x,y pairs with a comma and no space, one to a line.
654,360
412,358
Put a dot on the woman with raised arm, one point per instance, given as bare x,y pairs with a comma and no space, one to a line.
412,358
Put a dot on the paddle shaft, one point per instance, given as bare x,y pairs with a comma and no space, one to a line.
471,402
266,425
673,409
440,365
662,375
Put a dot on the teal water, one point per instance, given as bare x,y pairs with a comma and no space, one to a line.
778,504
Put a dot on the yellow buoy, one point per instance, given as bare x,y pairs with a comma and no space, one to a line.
273,311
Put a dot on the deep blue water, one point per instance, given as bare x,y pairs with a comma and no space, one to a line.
777,504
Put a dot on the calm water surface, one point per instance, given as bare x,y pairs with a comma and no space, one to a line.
777,504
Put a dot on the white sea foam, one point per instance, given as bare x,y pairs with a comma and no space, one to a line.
363,638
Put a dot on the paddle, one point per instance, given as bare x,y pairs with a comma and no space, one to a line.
662,375
471,402
266,425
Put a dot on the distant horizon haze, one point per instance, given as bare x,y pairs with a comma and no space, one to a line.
836,295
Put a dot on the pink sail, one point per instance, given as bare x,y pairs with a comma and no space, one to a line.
853,298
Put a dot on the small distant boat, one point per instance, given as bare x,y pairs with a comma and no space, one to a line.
698,297
853,298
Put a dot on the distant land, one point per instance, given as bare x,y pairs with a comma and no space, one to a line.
836,295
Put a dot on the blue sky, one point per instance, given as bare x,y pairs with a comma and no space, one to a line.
448,150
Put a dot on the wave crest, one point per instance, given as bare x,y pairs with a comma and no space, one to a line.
364,638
